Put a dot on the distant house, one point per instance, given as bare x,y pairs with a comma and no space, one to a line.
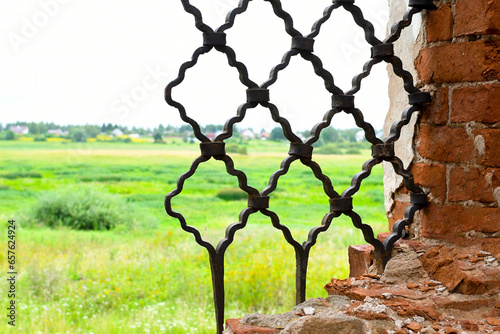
247,134
117,132
211,135
264,135
58,132
19,129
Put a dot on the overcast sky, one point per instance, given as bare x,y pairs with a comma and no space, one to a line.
94,62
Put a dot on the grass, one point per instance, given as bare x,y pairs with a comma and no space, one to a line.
157,279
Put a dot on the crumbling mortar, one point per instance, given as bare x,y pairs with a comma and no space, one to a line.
474,38
463,84
454,15
448,172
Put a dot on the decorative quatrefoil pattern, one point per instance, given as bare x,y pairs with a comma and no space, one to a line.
301,151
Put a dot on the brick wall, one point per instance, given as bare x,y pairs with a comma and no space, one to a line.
457,156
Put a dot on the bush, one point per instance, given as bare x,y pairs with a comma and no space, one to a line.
83,208
157,138
235,148
353,151
9,135
232,194
16,175
328,149
79,135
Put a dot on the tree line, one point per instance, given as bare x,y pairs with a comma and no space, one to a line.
80,133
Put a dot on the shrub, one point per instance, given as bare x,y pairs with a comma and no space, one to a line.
232,194
79,135
83,208
9,135
328,149
157,138
353,151
15,175
235,148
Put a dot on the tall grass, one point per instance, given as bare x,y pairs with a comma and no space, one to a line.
157,279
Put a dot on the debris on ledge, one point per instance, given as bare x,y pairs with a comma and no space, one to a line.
424,289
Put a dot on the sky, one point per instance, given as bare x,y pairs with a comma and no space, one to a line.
94,62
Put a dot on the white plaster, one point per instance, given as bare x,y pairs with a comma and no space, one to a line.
407,48
496,195
480,145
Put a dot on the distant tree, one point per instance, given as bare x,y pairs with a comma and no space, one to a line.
277,134
236,132
330,135
1,128
9,135
214,128
42,128
78,135
157,137
34,128
185,128
350,134
91,131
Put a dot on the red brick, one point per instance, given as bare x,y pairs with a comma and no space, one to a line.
443,143
473,184
469,61
440,24
469,325
480,104
360,259
448,266
237,328
432,176
437,112
477,17
450,222
491,157
383,235
397,213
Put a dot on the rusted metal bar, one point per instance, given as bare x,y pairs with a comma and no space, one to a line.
214,40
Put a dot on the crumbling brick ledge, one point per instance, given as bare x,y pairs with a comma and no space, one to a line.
424,289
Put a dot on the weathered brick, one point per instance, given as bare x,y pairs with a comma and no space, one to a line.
480,104
237,328
437,111
360,259
451,222
440,24
473,184
489,155
443,143
478,17
432,176
397,213
470,61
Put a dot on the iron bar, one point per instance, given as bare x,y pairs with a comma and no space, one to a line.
214,40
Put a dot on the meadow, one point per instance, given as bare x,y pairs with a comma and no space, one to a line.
151,277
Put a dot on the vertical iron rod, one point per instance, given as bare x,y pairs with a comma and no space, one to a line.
217,268
302,260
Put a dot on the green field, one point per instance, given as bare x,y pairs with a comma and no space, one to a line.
152,277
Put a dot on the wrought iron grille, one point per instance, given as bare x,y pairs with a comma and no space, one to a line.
259,201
